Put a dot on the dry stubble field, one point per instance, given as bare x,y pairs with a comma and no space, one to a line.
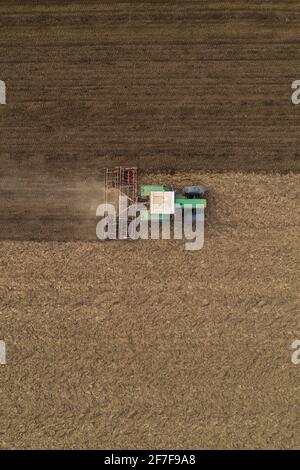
145,345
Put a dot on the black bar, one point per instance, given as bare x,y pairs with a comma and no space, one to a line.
148,458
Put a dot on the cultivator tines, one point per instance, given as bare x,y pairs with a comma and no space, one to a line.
123,180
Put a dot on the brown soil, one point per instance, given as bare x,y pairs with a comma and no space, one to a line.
145,345
177,84
142,344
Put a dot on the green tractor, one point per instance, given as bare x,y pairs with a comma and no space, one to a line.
160,201
164,201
